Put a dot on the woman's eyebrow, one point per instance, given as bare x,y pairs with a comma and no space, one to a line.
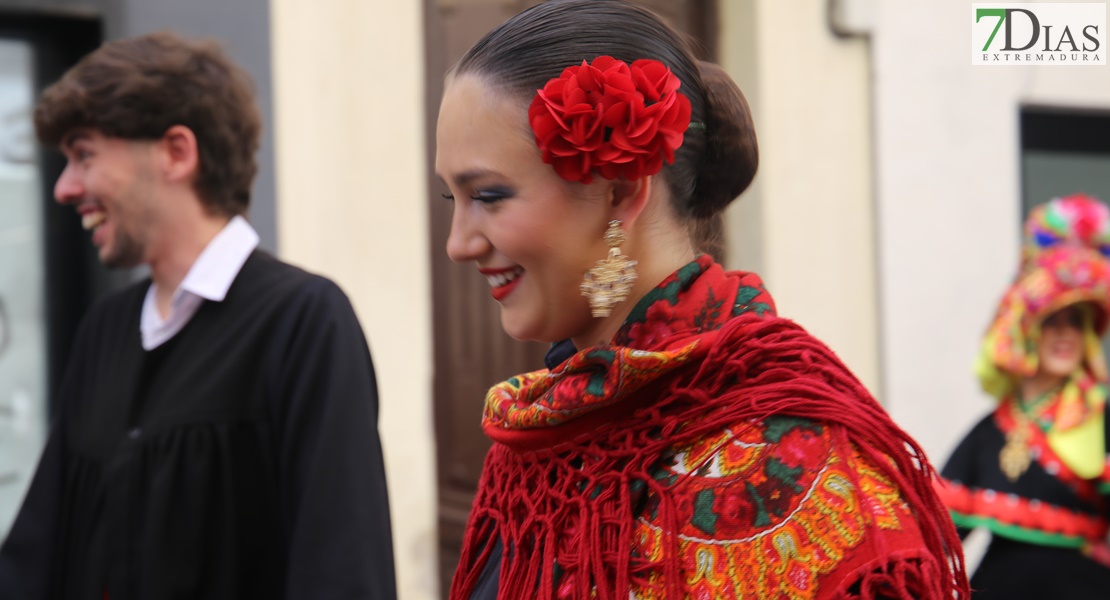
470,175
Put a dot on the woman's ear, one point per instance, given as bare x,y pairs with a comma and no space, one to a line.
628,199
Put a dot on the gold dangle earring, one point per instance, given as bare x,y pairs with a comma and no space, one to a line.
609,281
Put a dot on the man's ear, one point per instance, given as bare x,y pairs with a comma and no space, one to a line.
629,198
179,152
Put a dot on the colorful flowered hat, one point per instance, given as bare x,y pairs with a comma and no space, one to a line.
1076,220
1054,279
1063,261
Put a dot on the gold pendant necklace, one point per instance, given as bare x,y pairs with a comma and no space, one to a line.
1015,457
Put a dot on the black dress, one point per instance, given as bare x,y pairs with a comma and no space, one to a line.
1032,554
239,460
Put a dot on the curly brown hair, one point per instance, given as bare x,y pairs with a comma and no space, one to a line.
139,87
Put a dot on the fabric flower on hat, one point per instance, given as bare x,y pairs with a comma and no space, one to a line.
1078,220
609,117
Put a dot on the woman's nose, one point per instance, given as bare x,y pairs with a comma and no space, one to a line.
466,241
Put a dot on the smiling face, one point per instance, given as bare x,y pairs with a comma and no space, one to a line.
1061,347
109,182
530,233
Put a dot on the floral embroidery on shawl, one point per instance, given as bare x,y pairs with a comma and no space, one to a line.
769,510
602,481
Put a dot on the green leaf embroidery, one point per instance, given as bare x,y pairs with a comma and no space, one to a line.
776,427
704,518
762,519
787,475
669,292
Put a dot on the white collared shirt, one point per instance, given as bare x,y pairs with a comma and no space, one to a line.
208,279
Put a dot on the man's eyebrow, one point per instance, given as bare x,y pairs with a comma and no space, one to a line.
72,138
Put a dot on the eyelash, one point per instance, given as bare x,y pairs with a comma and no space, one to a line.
485,197
491,196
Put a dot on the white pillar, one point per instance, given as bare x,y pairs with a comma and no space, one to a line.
352,205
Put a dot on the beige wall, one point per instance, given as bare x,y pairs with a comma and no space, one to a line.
349,121
807,224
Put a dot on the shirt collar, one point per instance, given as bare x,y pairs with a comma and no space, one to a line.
215,269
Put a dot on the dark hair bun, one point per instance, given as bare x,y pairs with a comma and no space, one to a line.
731,152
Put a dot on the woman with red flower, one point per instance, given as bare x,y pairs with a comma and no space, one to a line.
684,442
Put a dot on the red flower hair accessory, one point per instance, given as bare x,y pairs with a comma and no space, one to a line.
609,117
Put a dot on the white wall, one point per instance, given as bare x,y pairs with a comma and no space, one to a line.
949,207
348,96
807,224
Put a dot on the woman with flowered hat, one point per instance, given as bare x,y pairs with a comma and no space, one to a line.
1034,472
684,442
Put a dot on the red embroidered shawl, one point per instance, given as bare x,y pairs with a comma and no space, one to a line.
712,450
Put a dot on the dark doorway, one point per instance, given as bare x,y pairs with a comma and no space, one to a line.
74,276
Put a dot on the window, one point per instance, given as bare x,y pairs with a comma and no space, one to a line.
1063,152
48,270
23,337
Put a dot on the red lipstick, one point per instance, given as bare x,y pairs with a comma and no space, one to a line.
502,281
